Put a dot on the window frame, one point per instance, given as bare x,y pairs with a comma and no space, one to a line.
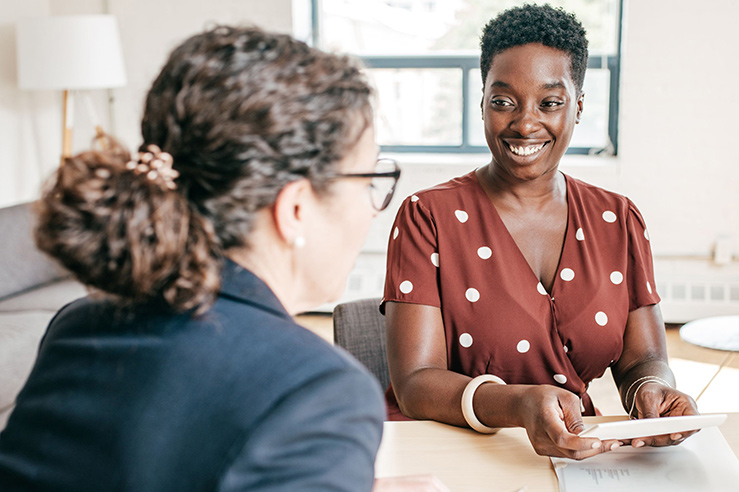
467,63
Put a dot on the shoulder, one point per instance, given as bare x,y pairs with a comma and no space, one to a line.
444,192
601,201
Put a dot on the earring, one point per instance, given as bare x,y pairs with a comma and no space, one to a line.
299,242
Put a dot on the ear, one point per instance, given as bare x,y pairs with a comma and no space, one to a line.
578,115
289,210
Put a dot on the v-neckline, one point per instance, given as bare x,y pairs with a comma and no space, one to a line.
550,292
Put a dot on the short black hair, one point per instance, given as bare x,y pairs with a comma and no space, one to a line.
543,24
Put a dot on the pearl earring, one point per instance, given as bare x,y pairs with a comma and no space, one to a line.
299,242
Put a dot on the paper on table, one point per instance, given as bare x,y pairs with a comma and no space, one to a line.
704,462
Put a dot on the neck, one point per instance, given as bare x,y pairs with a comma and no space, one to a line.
273,261
506,189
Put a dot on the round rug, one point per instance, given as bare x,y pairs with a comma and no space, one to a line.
720,332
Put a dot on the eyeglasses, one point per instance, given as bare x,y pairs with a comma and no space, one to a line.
382,186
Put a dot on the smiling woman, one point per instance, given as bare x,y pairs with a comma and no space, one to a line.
519,275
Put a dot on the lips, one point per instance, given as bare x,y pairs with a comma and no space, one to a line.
525,150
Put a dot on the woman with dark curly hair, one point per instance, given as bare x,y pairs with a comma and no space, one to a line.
248,202
519,275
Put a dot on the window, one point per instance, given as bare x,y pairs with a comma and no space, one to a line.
423,58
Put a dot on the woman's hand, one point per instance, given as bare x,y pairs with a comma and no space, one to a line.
654,400
552,420
410,483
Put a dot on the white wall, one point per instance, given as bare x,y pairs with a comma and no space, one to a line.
30,121
25,118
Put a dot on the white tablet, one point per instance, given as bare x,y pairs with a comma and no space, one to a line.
631,429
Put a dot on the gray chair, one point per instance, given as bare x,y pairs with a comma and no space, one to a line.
359,327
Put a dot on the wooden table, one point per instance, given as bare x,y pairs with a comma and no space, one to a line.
470,462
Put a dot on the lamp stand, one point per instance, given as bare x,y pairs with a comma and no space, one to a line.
67,124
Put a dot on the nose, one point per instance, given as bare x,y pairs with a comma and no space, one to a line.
526,122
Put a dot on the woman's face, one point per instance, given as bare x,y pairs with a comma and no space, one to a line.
341,223
530,107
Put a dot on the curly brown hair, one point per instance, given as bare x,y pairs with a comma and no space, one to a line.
243,112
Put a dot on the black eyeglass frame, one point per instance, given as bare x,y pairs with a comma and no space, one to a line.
395,174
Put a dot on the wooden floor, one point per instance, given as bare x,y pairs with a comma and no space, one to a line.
709,376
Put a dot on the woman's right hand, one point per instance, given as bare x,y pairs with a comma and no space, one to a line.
410,483
552,420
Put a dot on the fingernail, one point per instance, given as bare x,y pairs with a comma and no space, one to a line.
638,444
677,437
596,445
615,445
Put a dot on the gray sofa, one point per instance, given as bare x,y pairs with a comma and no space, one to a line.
32,288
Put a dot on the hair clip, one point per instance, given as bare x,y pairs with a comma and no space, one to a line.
156,165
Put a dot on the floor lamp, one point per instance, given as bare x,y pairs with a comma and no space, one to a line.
69,53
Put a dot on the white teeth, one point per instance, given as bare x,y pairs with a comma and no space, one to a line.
525,151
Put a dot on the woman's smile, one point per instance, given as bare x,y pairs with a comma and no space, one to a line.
526,149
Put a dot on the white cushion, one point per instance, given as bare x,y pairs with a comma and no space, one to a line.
51,297
20,334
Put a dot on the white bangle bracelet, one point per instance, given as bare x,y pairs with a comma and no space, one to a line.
469,393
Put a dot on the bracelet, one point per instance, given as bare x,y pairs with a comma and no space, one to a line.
468,411
645,380
655,378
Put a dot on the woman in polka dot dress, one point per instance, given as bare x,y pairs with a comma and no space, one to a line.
519,275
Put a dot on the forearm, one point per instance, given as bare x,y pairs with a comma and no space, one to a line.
436,394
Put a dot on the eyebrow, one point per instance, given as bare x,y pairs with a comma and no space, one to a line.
501,84
549,85
554,85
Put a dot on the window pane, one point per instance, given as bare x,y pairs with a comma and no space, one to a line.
592,132
418,106
593,128
474,111
382,26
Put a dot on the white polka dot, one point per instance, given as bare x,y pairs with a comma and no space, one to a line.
646,235
414,198
472,295
560,378
406,287
465,340
541,289
567,274
609,216
601,318
567,349
523,346
484,252
435,259
579,235
649,287
617,277
396,231
461,216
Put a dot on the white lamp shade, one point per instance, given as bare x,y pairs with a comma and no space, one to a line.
70,52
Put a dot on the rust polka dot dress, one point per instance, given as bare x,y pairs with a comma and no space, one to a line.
449,248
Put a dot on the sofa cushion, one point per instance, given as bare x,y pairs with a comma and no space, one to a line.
20,334
51,297
22,265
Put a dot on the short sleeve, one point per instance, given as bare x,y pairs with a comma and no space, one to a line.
322,436
640,273
413,259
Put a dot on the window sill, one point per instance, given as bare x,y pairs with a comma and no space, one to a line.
602,165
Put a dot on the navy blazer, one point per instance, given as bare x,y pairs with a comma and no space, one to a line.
241,398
